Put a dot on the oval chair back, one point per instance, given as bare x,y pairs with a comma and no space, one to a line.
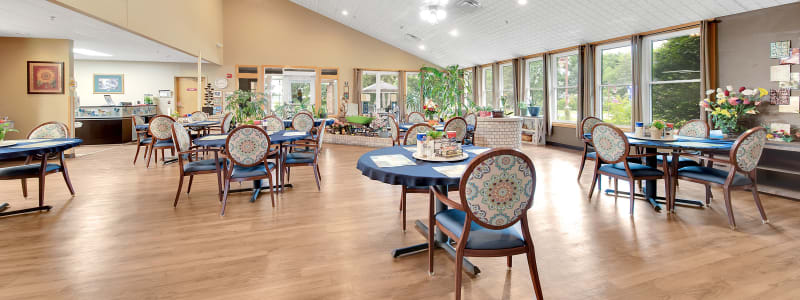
416,117
411,134
303,121
199,116
695,128
161,127
471,119
394,128
459,125
49,130
247,145
273,123
225,127
746,151
181,138
320,136
497,188
586,127
610,143
138,120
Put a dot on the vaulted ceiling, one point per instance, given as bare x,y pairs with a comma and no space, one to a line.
503,29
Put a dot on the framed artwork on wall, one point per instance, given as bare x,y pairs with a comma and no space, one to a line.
779,49
45,77
109,83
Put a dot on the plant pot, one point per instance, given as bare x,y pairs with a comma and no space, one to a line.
655,133
484,114
497,114
533,111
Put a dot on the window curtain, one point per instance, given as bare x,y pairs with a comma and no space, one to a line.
476,79
402,95
636,95
356,92
546,106
519,86
496,92
586,92
708,66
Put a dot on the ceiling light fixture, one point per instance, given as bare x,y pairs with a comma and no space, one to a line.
344,12
522,2
421,47
88,52
433,11
454,32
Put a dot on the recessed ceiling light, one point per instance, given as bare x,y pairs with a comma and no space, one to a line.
344,12
522,2
88,52
454,32
421,47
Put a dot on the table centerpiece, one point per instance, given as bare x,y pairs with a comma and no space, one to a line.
728,106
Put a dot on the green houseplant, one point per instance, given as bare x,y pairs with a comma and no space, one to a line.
5,129
445,88
246,106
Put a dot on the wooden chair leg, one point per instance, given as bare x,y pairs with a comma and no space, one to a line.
65,174
708,194
316,178
189,188
583,161
403,206
729,208
219,183
225,195
402,197
178,194
138,147
459,273
318,173
431,230
508,262
41,187
271,195
537,286
24,188
633,194
757,199
594,181
150,156
616,189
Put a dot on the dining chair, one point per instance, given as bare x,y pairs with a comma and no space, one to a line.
586,127
743,158
247,149
303,121
47,130
142,140
225,125
472,120
160,131
459,125
199,116
695,129
37,170
613,160
189,166
411,139
394,129
309,157
490,219
273,123
415,117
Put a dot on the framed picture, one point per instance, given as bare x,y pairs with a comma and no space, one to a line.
779,49
109,83
164,93
217,94
45,77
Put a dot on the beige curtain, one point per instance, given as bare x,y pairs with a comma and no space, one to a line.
495,102
519,85
475,85
708,66
402,95
585,84
546,106
636,96
355,91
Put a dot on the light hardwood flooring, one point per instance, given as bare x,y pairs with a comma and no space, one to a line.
120,238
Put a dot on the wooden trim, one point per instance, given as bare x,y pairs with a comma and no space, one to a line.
246,75
612,40
567,49
671,28
504,61
540,54
564,124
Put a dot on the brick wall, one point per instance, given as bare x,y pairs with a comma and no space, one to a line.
500,132
357,140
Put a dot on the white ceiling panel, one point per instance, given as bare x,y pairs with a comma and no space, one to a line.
503,29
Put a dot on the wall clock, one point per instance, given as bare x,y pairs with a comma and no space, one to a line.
221,83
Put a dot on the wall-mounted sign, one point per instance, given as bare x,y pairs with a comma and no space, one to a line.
229,75
191,89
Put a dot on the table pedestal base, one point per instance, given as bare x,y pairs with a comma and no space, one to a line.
423,229
257,190
659,200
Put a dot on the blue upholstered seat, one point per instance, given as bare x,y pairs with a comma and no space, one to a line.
682,161
638,170
593,155
145,141
300,158
479,237
712,175
244,172
27,170
201,165
164,143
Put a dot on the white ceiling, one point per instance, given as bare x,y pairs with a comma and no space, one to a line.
503,29
34,19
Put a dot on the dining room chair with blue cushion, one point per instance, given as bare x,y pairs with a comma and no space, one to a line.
394,130
247,149
411,139
308,157
273,123
199,116
459,125
472,120
47,130
694,129
160,131
142,140
743,159
40,171
586,128
415,117
189,166
491,217
303,121
613,160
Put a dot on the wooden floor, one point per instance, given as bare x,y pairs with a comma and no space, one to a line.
120,238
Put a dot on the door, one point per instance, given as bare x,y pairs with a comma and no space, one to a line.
186,97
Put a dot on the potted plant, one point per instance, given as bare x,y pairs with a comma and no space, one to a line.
727,106
246,106
657,129
4,128
445,87
148,100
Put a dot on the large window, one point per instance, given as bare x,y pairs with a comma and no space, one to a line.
379,92
413,92
564,87
328,90
671,81
506,87
290,90
487,95
468,90
614,81
534,84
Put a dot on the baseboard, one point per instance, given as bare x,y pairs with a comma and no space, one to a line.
565,146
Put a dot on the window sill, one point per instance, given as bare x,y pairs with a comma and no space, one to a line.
565,125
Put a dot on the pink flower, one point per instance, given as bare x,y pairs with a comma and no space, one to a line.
733,100
746,101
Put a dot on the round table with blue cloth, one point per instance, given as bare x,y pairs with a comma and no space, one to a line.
440,127
317,122
418,175
142,127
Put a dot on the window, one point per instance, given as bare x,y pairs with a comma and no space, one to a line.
564,87
413,92
534,84
671,81
487,96
290,90
468,91
328,90
613,85
506,87
379,92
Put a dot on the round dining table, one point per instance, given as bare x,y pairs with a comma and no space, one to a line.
440,127
317,122
418,173
24,148
275,138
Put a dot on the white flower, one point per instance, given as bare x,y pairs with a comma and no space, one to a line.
748,92
719,90
709,92
729,88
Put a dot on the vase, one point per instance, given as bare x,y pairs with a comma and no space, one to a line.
655,133
533,111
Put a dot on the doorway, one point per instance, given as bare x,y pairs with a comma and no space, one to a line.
186,95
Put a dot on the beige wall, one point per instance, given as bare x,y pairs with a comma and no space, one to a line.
191,26
28,111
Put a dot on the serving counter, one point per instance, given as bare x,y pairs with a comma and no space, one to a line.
109,124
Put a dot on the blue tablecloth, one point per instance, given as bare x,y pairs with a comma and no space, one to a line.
275,138
13,151
142,127
440,127
201,124
681,142
421,174
317,122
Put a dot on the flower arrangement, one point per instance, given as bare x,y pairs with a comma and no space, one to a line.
430,108
728,106
5,129
435,134
659,124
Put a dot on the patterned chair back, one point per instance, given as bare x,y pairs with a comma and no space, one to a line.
247,145
161,127
459,125
411,134
471,119
226,122
303,121
273,123
586,126
181,137
394,128
746,151
695,128
416,117
610,143
497,188
199,116
49,130
138,120
320,135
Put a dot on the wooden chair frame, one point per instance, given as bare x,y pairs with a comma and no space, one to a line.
153,148
140,136
29,159
461,242
303,113
314,145
189,153
465,127
230,162
587,143
273,116
41,176
395,139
